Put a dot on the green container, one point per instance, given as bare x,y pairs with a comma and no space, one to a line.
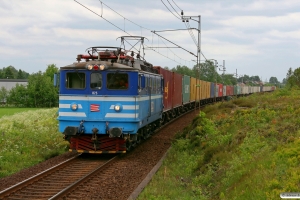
186,89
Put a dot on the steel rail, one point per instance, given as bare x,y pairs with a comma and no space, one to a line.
26,182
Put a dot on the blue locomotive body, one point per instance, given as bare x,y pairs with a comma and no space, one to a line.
101,100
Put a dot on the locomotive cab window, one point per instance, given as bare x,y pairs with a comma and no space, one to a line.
75,80
96,81
117,81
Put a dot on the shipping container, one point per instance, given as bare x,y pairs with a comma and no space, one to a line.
207,90
186,81
168,87
237,90
198,91
177,90
193,89
229,90
224,90
212,90
244,89
220,91
217,90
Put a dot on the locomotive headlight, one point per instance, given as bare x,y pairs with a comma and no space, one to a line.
102,67
89,67
118,107
74,106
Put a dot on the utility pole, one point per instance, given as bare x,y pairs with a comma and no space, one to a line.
236,83
198,20
223,71
215,68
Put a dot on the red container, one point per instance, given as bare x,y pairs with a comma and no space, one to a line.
177,92
168,87
229,90
220,92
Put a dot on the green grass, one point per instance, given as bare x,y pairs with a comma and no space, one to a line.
27,138
247,148
10,111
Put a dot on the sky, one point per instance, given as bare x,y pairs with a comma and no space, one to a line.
253,37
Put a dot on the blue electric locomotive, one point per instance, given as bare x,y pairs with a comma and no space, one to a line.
109,101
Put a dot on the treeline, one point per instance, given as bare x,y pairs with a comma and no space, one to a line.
207,71
12,73
293,78
39,92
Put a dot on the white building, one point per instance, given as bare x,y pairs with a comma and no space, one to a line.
8,84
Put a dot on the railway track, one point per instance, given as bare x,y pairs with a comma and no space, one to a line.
74,179
58,180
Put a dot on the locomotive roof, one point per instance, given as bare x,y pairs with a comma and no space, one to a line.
112,59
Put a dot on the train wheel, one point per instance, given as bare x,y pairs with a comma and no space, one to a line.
139,139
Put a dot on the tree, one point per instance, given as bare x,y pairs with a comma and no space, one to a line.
41,92
284,81
20,74
3,94
18,96
183,70
289,73
51,70
293,78
229,79
8,73
273,80
1,73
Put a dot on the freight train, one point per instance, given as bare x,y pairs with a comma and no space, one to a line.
111,99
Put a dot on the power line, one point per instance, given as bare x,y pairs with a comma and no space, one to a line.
176,5
186,24
124,27
174,9
123,16
170,10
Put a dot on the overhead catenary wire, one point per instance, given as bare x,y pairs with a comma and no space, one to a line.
101,16
170,10
186,24
131,22
174,9
176,5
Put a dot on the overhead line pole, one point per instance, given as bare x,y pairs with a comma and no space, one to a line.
198,20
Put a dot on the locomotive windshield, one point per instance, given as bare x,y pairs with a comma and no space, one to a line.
117,81
75,80
96,81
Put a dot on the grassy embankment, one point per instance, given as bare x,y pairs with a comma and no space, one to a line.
5,111
247,148
27,138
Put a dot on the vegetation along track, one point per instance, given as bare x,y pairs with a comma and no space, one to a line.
57,180
119,179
